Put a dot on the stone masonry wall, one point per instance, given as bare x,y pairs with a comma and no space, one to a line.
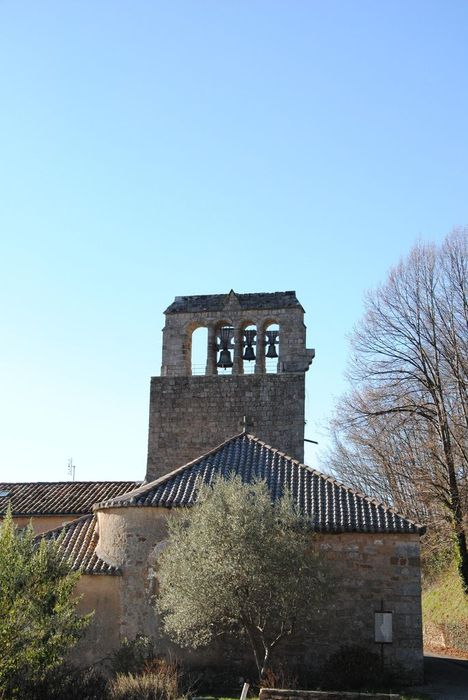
365,572
133,539
191,415
177,338
100,595
276,694
43,523
128,538
369,571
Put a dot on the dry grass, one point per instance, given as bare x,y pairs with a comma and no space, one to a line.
159,681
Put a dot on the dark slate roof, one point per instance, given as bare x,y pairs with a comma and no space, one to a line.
217,302
330,506
59,497
78,546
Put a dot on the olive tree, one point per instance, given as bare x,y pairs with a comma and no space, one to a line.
38,624
238,563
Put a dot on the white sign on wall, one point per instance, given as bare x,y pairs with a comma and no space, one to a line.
384,627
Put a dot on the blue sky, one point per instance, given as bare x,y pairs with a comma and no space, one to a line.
152,149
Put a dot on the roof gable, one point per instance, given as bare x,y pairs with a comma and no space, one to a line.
329,505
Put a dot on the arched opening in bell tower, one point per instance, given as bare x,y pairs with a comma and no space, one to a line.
199,350
224,348
249,342
272,347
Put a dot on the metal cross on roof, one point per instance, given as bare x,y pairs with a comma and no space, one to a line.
247,424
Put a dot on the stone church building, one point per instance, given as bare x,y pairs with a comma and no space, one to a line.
245,414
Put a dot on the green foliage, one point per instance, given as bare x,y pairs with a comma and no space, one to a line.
445,607
38,624
238,563
133,654
70,683
444,601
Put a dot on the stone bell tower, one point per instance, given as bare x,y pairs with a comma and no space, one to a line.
254,377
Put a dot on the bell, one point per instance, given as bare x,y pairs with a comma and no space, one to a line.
249,354
272,337
225,334
224,359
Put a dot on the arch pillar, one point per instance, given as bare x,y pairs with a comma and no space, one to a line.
260,350
211,351
238,366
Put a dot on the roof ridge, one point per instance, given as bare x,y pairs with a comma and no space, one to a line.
285,292
90,481
165,477
337,483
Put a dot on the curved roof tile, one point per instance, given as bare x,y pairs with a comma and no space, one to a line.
59,497
78,546
330,506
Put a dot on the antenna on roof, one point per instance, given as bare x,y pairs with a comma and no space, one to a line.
71,469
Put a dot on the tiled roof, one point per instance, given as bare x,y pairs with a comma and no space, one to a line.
59,497
78,546
330,506
217,302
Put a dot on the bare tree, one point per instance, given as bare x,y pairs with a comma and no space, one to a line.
402,431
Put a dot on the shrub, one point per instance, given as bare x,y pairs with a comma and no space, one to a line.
160,680
211,680
70,683
133,654
280,678
38,620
